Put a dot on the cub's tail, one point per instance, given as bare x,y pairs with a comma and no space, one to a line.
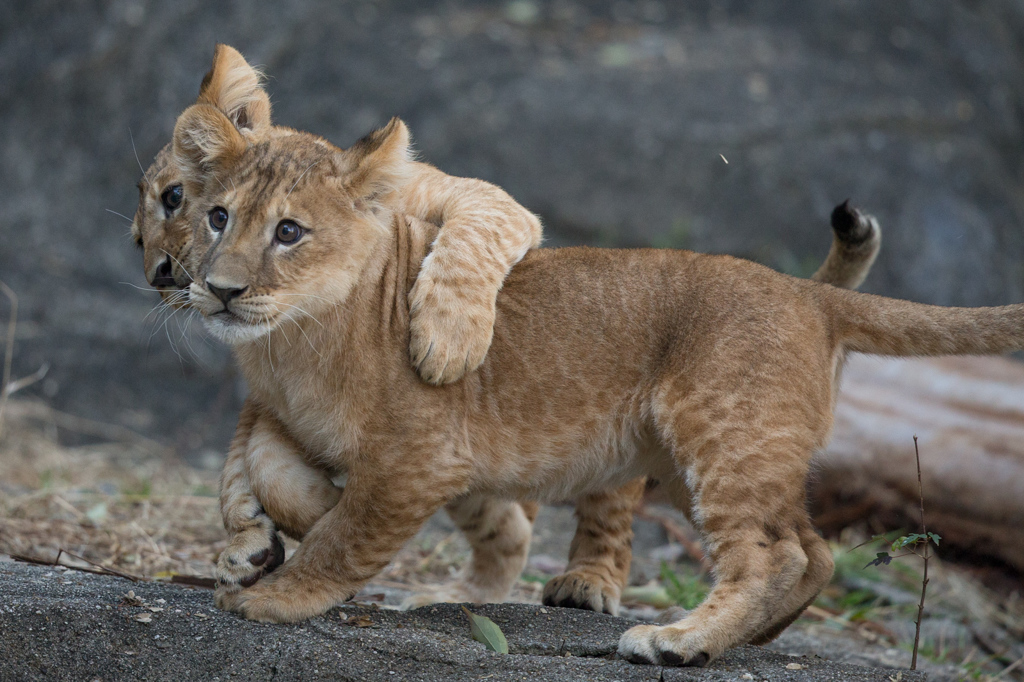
886,326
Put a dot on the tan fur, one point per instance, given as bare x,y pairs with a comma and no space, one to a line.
601,549
483,226
712,374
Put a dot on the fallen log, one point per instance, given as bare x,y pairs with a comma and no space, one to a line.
968,414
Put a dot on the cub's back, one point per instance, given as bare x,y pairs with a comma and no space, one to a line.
582,329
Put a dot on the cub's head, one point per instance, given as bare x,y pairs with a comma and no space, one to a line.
159,226
285,224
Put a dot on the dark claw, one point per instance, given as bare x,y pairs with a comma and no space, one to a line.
698,661
260,557
639,660
276,554
251,580
672,658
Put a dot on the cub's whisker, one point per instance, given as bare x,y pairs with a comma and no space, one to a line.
179,264
136,152
301,310
120,215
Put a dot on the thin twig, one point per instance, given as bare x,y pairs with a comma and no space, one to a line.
101,570
112,571
1010,668
924,581
12,323
194,581
25,382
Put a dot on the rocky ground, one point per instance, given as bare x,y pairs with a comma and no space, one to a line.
126,506
63,624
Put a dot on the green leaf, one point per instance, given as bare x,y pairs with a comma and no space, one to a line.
934,538
486,632
880,559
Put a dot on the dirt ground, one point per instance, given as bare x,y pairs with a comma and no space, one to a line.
125,504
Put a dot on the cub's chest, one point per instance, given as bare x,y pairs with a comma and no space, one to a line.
316,415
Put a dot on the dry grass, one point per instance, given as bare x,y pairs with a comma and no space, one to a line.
127,504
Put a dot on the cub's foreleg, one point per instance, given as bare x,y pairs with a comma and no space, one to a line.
600,553
388,497
264,481
484,232
499,533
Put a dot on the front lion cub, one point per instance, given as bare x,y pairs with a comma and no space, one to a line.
711,374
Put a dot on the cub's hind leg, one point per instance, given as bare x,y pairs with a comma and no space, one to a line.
744,464
499,534
600,553
819,571
265,485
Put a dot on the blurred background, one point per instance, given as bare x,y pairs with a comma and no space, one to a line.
608,119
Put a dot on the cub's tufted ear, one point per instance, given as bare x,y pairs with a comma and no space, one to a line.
382,160
205,142
236,88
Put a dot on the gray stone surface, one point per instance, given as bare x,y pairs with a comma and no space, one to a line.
68,625
607,118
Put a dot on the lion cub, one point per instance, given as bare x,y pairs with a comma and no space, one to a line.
713,375
261,485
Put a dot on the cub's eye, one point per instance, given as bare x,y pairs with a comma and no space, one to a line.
172,197
288,232
218,219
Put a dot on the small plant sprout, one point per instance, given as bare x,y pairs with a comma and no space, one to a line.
913,544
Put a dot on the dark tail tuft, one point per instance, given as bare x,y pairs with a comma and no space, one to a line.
850,225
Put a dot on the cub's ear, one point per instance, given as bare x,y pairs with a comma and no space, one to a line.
236,88
205,142
383,161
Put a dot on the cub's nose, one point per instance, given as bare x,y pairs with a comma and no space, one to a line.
162,277
225,294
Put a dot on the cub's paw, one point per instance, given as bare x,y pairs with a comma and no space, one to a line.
450,332
582,590
284,598
665,645
251,554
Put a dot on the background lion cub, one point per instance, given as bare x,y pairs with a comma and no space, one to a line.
713,375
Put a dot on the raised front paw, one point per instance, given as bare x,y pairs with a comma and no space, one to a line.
450,329
665,645
251,554
579,589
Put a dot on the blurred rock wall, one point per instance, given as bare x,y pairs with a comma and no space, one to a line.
609,119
